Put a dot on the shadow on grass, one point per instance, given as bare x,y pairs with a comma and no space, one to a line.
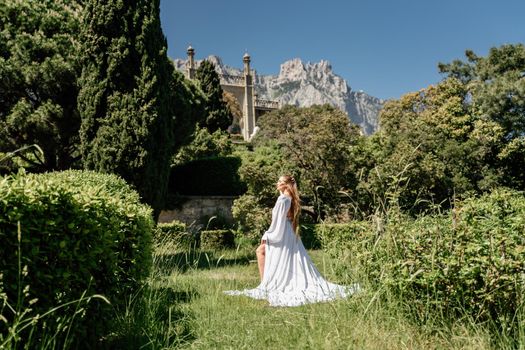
197,259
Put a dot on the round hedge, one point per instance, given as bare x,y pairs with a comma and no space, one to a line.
217,239
80,231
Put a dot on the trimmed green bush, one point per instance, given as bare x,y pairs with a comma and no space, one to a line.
207,176
175,232
80,232
350,244
217,239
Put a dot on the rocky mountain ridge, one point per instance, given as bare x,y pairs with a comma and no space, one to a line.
305,84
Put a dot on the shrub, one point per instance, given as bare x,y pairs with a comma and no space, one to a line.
193,178
471,260
204,145
349,245
175,232
217,239
169,228
252,219
80,232
309,236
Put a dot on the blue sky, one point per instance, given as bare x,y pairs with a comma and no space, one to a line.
386,48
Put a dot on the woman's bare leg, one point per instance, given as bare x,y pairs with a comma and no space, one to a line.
260,252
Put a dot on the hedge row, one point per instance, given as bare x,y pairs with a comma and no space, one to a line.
217,239
328,236
208,176
176,232
80,232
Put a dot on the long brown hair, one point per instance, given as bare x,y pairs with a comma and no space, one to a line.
295,209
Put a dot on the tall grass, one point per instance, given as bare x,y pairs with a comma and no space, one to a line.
182,305
372,319
375,318
155,316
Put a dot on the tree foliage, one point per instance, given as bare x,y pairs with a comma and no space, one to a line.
39,67
431,147
126,104
235,111
204,145
496,85
318,141
218,116
461,137
261,169
189,105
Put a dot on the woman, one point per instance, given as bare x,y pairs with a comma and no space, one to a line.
288,275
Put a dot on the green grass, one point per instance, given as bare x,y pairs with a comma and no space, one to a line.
209,319
183,306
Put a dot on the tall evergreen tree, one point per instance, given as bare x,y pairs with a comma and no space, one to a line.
125,99
217,114
39,68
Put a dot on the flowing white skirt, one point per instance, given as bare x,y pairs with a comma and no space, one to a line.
291,278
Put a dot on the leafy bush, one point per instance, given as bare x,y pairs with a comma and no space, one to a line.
330,236
217,239
193,178
349,245
252,219
309,236
260,170
175,232
472,260
318,144
204,145
80,232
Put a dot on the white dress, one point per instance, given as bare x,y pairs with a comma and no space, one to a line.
290,277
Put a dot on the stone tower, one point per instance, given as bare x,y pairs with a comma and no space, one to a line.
248,113
190,64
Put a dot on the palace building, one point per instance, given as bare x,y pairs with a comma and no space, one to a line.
242,87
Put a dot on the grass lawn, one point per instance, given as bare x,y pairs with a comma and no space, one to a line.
205,318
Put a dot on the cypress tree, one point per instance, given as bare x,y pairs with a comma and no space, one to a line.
217,113
125,100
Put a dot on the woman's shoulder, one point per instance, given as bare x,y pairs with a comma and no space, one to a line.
284,197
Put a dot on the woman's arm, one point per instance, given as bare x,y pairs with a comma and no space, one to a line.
279,216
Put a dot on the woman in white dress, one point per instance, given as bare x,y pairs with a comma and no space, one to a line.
288,275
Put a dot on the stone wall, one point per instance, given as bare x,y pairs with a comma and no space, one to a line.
195,209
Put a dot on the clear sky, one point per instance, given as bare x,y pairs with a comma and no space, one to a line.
384,47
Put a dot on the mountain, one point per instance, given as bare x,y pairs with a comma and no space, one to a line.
305,84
